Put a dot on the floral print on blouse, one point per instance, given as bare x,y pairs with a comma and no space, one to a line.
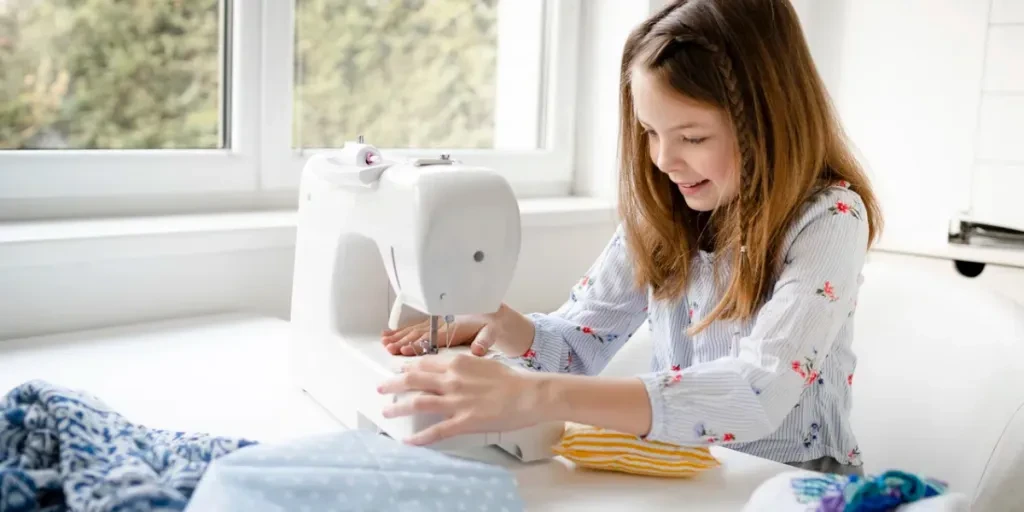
775,386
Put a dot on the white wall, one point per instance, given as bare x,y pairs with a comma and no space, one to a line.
606,24
907,78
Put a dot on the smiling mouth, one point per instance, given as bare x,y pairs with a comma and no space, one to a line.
694,184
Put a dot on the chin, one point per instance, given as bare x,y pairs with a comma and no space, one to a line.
700,206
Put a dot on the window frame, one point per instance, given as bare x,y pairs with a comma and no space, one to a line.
259,158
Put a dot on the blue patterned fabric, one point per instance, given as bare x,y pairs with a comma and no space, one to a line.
62,449
355,470
890,491
886,491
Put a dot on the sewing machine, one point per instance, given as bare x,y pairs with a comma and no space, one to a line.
388,243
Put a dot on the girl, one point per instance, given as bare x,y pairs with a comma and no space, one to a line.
745,224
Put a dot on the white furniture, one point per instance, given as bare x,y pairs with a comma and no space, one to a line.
227,375
939,385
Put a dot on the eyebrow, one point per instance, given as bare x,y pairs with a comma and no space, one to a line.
680,126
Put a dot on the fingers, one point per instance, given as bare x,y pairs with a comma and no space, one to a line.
418,404
432,364
410,346
412,381
400,341
439,432
391,338
479,348
481,344
410,340
393,335
414,347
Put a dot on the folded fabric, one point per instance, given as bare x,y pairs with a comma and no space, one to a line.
62,449
357,470
807,491
607,450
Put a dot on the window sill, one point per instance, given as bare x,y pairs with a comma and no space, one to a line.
36,243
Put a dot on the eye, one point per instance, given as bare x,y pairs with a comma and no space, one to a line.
651,134
696,140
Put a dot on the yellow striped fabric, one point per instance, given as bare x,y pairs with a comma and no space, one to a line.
602,449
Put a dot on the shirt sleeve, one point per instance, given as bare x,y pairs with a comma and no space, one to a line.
717,401
603,310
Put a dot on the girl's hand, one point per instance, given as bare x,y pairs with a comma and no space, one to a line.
463,330
474,395
507,330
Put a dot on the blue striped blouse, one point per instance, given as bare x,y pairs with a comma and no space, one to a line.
775,386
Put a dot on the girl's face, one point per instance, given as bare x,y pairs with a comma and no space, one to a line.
692,143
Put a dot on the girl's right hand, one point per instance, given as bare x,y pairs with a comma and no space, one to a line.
507,329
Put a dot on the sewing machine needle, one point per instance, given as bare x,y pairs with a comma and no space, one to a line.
432,347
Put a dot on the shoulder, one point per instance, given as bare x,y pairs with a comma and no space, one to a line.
834,200
835,216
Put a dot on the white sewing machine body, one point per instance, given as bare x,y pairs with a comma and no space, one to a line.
435,236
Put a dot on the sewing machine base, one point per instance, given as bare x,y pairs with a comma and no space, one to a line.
524,446
342,378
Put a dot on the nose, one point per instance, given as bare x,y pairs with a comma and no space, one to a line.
666,160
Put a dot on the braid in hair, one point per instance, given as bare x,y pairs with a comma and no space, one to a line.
736,110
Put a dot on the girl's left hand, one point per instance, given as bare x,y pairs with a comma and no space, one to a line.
474,395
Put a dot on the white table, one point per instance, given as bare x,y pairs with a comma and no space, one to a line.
226,375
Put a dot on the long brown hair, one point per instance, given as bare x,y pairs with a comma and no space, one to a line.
749,58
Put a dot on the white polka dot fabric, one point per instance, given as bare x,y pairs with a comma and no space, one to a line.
352,471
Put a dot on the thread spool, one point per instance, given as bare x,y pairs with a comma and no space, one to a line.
360,155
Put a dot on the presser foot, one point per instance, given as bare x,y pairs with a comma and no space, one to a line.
432,345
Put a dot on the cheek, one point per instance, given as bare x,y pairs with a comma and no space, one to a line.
720,164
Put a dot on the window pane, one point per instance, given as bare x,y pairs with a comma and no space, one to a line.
408,73
110,74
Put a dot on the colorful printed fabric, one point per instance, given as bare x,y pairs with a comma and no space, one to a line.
806,491
777,386
62,449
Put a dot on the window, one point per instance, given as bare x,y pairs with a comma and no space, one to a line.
407,74
102,99
109,75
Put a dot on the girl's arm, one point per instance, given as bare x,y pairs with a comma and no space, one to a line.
615,403
604,309
745,397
